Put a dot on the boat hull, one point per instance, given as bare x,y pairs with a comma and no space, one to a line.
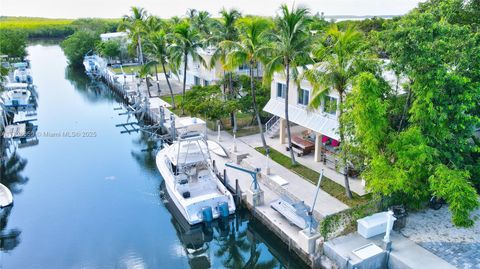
191,208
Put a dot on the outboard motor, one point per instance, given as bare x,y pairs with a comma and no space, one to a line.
223,209
207,214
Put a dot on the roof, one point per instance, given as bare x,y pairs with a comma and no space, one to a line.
16,85
313,120
113,35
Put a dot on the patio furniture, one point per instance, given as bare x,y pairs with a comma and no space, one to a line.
302,146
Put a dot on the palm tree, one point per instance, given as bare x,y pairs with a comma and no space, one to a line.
144,73
202,22
158,47
289,49
185,41
154,24
335,71
249,49
135,25
225,31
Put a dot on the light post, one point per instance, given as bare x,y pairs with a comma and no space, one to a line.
234,145
218,128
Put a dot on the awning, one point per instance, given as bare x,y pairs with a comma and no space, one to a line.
314,121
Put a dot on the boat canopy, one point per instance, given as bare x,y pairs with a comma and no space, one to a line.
192,150
16,85
20,65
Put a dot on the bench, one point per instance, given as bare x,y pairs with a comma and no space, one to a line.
299,152
278,180
301,146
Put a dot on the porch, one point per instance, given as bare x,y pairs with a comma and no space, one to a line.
315,140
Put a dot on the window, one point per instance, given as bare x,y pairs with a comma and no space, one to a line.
196,81
243,67
281,90
303,97
206,83
330,105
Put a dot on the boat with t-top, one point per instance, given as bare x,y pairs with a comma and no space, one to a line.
95,66
22,73
17,95
190,180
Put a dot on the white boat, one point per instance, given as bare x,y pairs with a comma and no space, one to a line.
6,197
190,180
22,73
94,65
216,148
16,95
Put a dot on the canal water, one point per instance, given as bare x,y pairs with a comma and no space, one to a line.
88,196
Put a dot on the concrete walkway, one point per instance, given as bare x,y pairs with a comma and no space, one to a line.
297,186
308,161
404,254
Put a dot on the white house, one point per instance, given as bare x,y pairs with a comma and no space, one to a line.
319,125
119,36
318,128
122,39
197,74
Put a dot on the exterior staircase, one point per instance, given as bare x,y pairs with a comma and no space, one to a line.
272,127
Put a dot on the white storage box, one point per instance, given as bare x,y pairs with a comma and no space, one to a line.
372,225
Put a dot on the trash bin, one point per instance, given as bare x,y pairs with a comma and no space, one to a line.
400,213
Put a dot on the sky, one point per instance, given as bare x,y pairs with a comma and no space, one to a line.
168,8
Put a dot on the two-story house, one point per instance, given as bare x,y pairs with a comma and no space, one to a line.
198,74
317,127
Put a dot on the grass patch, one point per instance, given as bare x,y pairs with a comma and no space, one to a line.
243,119
136,69
329,186
178,99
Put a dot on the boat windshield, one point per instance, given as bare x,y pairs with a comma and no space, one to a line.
191,150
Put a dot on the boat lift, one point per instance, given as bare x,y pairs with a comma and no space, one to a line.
255,194
252,173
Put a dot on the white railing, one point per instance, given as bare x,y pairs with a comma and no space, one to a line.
271,122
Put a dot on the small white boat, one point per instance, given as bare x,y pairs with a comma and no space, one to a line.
216,148
22,73
16,95
295,212
190,180
6,197
95,66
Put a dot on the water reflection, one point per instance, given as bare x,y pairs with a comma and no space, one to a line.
10,171
145,152
9,239
11,168
228,243
92,90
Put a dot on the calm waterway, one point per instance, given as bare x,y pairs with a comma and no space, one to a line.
91,197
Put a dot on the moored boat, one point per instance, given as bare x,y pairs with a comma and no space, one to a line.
6,197
22,73
16,95
190,180
94,65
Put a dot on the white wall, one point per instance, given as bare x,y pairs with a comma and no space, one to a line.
293,92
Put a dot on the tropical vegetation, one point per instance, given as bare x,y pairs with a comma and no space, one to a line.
410,138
